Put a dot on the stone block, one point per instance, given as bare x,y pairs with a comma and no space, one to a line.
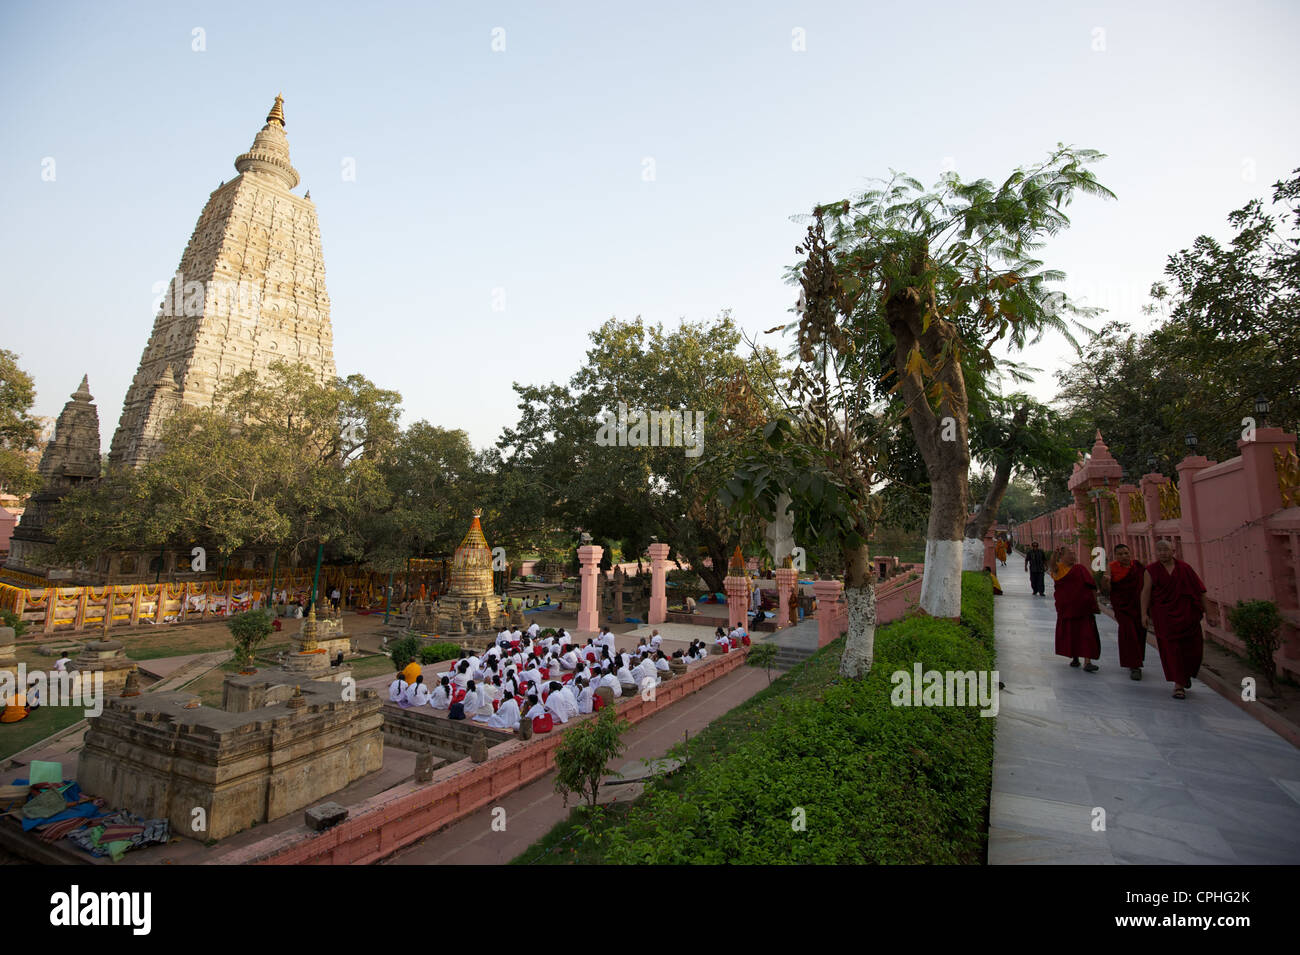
320,818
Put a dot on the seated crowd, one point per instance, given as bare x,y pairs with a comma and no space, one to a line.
525,676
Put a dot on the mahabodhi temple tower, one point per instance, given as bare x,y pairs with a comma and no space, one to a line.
250,290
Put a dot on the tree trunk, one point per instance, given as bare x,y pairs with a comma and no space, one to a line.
860,595
941,436
718,556
987,516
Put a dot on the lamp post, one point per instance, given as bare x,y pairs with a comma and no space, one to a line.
1261,409
1189,439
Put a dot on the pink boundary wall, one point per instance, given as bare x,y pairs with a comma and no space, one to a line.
381,825
1227,520
894,598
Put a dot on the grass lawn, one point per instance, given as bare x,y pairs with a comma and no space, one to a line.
365,667
46,721
818,769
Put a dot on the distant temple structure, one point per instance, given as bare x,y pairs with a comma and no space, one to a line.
470,602
250,290
70,459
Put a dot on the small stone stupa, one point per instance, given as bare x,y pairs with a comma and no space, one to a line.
106,656
470,585
308,657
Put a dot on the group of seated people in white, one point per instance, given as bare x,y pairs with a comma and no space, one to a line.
524,676
732,640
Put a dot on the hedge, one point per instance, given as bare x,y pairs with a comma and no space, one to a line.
871,782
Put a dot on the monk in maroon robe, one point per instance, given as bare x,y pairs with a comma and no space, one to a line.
1076,605
1173,599
1124,585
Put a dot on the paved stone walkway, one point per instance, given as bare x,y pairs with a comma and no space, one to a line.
1180,781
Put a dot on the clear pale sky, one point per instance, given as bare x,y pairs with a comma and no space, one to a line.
522,169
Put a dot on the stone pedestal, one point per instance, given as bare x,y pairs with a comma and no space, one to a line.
589,607
658,587
108,657
737,590
787,578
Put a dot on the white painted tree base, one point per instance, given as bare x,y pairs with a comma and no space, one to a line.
972,555
941,583
860,645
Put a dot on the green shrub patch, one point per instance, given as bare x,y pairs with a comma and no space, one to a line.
819,769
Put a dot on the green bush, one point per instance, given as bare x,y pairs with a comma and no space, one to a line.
10,619
870,782
250,629
437,652
405,650
580,760
1258,623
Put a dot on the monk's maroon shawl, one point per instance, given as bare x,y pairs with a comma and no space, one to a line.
1076,627
1126,601
1176,613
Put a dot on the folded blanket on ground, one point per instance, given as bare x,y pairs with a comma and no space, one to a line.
116,826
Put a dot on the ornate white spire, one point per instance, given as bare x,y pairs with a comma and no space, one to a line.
269,154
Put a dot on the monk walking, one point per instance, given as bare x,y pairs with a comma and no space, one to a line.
1076,606
1173,599
1124,584
1000,550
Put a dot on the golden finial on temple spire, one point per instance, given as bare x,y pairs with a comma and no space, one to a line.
277,111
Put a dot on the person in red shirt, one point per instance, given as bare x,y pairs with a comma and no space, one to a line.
1173,600
1076,607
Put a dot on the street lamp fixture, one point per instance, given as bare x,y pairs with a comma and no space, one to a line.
1261,405
1190,440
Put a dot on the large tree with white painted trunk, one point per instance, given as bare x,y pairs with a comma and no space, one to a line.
823,445
941,277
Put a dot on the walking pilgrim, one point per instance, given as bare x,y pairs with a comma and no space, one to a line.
1076,608
1124,583
1173,599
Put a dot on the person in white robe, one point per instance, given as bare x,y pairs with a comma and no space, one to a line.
503,638
506,717
557,706
417,694
440,698
613,682
585,695
534,630
397,690
661,662
474,701
625,677
569,661
535,707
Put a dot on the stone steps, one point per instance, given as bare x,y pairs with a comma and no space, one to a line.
787,658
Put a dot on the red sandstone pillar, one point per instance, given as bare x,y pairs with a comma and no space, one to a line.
737,589
588,612
828,609
1189,519
786,580
658,588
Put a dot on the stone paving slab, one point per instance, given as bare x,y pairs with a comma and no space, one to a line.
1194,781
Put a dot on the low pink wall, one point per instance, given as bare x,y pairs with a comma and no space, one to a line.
405,814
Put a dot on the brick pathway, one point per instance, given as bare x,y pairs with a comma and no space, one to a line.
1190,781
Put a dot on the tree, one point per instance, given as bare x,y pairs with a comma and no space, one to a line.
1014,431
249,629
940,277
19,431
581,758
820,454
283,460
595,474
1228,331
